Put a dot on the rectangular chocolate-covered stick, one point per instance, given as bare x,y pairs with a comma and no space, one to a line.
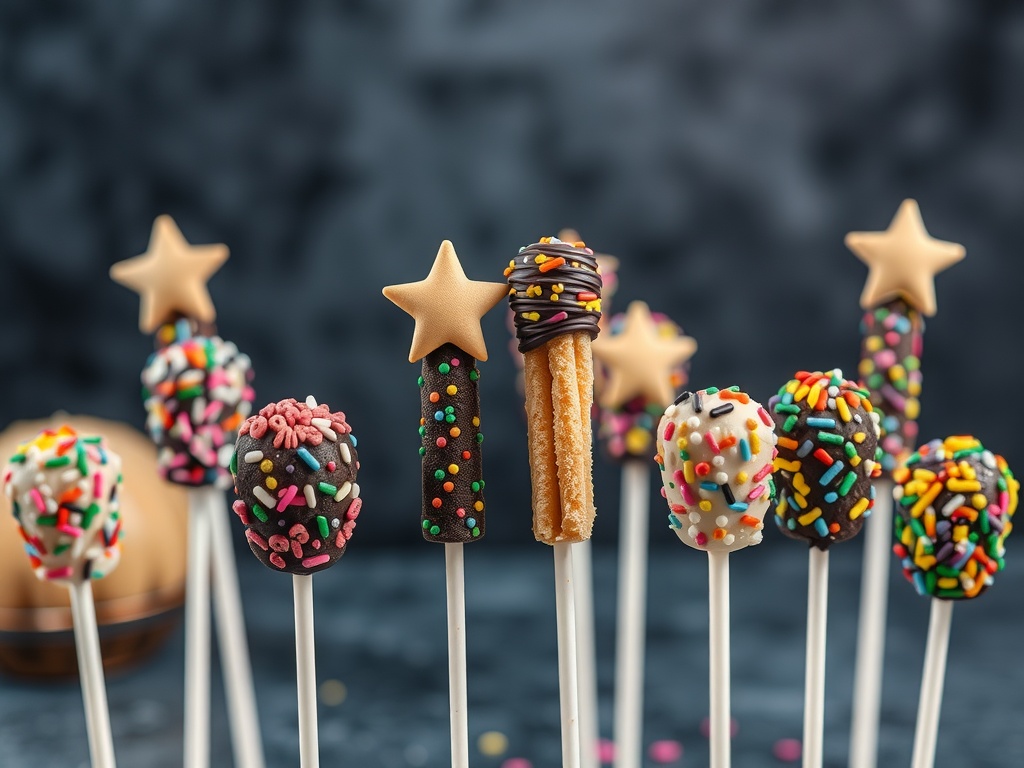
453,485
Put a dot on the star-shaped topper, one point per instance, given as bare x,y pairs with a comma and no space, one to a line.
640,359
447,306
903,260
171,276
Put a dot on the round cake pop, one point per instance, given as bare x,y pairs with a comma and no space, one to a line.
64,494
627,430
715,451
828,455
954,502
295,476
197,392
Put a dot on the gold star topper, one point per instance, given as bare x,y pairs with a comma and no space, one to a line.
447,306
640,359
171,276
903,260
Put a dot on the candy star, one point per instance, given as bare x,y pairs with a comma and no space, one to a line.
640,360
903,260
447,306
171,276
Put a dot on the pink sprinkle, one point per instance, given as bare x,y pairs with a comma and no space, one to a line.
287,497
178,460
665,751
37,499
557,317
765,418
679,477
456,362
239,508
712,443
256,539
313,562
276,560
353,509
97,486
662,491
677,508
892,338
347,528
688,496
762,473
517,762
670,429
1004,501
701,538
70,530
755,492
186,427
331,466
59,573
885,358
441,442
212,411
788,750
460,512
606,751
705,727
216,378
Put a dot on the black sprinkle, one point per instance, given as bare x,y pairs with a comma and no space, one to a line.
721,410
698,403
727,492
683,397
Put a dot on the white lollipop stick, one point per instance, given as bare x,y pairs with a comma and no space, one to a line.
197,636
90,670
932,681
874,596
586,671
458,700
632,605
305,671
568,693
234,647
721,710
814,681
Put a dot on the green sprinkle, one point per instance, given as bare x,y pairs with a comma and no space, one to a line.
450,418
423,451
325,529
260,514
420,381
711,391
684,455
18,458
929,579
946,572
189,392
426,524
327,488
91,511
47,520
781,408
60,549
474,375
449,409
439,474
83,465
57,461
476,532
851,450
92,439
831,437
479,437
444,368
917,528
967,452
790,423
475,486
423,431
434,530
233,466
847,484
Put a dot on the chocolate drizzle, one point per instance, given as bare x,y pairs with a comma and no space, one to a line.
550,301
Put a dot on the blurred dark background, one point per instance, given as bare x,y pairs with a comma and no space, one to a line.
720,149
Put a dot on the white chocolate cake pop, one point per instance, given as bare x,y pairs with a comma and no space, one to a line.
716,450
64,494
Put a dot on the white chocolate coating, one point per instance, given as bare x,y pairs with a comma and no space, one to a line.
64,494
715,450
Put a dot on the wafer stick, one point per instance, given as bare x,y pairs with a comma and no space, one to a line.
547,512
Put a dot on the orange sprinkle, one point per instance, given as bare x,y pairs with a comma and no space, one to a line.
728,394
449,486
550,264
750,520
434,397
834,528
788,442
728,442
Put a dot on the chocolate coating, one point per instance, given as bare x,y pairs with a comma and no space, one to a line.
828,455
552,300
453,485
954,503
295,476
890,369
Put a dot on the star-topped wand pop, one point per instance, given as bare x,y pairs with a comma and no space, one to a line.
900,288
447,307
197,393
643,360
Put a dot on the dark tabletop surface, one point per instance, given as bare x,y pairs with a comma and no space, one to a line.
380,627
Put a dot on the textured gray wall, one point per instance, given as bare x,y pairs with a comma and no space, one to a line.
720,149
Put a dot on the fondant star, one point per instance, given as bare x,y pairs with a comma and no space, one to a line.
171,276
903,260
447,306
640,359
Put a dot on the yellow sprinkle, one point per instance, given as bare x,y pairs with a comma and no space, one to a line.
815,393
638,440
705,505
478,506
755,443
912,409
787,466
873,343
741,477
926,499
843,408
809,517
800,501
688,475
791,387
454,431
859,437
271,483
453,469
681,443
267,465
947,583
333,692
801,393
963,486
476,421
751,424
962,443
452,389
855,461
960,533
800,484
967,471
907,537
858,509
782,508
553,297
534,316
979,501
492,743
925,475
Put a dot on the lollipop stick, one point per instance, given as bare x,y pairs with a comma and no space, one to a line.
632,602
874,594
305,671
234,648
932,682
568,693
583,584
90,670
814,681
456,586
197,636
721,715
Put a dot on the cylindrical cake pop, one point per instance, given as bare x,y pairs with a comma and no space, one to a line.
555,294
295,476
715,451
197,392
453,484
64,494
627,431
955,501
828,455
890,369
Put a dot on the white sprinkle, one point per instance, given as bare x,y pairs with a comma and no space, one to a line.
253,457
728,540
953,504
335,523
198,409
224,455
311,401
755,537
721,478
307,491
721,521
695,438
355,490
670,411
346,454
693,422
70,476
718,461
694,517
266,498
988,459
343,491
833,391
693,531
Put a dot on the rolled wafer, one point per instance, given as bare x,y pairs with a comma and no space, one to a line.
555,295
